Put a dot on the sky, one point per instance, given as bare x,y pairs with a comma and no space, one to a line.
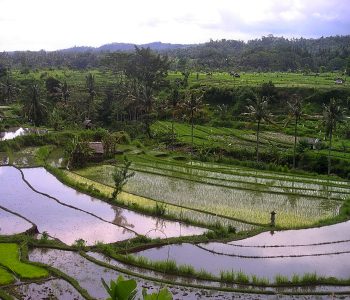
58,24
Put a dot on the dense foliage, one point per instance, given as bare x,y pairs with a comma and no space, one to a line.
266,54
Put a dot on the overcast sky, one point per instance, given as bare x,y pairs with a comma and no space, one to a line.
57,24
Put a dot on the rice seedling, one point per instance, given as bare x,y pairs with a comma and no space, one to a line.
308,278
281,280
5,277
228,276
148,204
250,205
9,258
241,277
295,279
202,273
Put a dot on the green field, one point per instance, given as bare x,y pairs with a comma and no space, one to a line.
9,259
231,192
223,79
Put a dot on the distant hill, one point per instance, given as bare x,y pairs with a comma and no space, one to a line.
266,54
156,46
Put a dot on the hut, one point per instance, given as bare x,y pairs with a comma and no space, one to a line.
313,143
97,150
339,81
87,124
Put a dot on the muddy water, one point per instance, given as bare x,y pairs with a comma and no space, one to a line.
62,222
89,277
329,265
12,224
52,289
336,232
45,182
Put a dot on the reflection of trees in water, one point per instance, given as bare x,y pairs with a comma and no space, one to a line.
120,219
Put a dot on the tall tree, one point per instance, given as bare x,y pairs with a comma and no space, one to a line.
174,102
192,104
295,111
148,71
91,89
333,114
34,107
258,111
63,92
9,89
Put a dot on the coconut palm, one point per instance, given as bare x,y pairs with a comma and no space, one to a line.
295,111
258,111
174,102
34,107
62,91
333,114
91,89
192,105
9,89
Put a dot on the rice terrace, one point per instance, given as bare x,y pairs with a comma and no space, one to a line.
202,170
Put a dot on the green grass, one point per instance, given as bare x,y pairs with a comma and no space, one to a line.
5,277
76,78
244,201
9,258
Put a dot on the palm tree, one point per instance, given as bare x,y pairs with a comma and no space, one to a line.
192,105
91,89
258,110
295,111
63,92
174,103
34,108
9,89
333,114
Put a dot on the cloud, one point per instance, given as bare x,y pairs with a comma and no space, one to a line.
42,24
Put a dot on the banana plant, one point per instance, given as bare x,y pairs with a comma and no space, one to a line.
121,289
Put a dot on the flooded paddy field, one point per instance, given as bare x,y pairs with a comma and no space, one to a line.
88,275
12,224
53,289
251,205
69,215
62,222
336,265
14,132
46,183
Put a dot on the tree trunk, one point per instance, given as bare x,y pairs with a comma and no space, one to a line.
192,131
172,130
329,151
295,141
257,142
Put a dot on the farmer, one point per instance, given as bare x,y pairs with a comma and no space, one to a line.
273,213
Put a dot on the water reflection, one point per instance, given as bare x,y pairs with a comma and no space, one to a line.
12,224
45,182
329,265
14,132
62,222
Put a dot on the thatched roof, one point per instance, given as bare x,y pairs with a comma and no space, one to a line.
96,147
87,122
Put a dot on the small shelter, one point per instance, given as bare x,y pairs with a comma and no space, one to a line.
313,143
97,150
339,81
87,124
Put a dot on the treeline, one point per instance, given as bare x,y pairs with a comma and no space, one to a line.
265,54
268,54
